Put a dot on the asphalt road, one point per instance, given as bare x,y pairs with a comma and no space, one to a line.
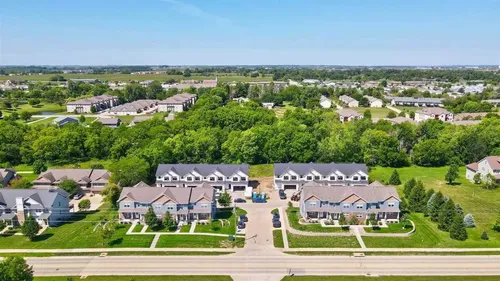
237,265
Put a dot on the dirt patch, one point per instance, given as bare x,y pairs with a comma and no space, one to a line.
262,184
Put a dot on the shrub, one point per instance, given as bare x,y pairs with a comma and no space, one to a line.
484,235
394,180
469,221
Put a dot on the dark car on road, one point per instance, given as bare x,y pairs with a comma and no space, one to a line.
240,200
282,194
243,218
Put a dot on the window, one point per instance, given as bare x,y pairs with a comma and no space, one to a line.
166,178
243,178
309,178
340,178
126,205
212,178
157,206
359,206
204,205
316,177
359,216
220,178
312,203
189,178
345,206
196,178
286,178
174,178
355,178
294,177
170,207
390,204
363,178
332,178
235,178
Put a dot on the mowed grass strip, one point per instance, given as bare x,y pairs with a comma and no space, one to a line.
483,204
140,278
293,215
278,239
301,241
377,112
197,241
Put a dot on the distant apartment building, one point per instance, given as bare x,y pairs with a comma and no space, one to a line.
98,102
47,207
110,122
89,180
487,166
346,115
136,107
436,113
374,102
320,201
64,120
411,101
231,177
295,175
348,101
177,103
183,204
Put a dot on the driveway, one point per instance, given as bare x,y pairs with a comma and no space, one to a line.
95,202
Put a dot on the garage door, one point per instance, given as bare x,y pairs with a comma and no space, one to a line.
290,186
239,188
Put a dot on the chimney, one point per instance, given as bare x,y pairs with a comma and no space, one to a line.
20,209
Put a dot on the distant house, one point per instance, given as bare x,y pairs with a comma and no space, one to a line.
496,103
436,113
295,175
6,175
488,165
140,119
241,99
472,116
348,101
146,82
325,102
411,101
374,102
268,105
319,201
61,121
210,83
400,120
177,103
311,81
110,122
89,180
136,107
48,207
347,115
183,204
98,102
87,81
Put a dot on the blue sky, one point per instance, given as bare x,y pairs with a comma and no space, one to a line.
221,32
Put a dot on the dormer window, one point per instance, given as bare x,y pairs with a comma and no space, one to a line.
359,206
174,178
286,178
212,178
166,178
363,178
340,178
316,177
235,178
355,178
197,178
294,177
220,178
345,206
309,178
189,178
332,178
243,178
390,204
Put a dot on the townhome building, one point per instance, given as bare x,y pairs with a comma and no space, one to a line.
436,113
89,180
177,103
348,101
346,115
231,177
48,207
320,201
374,102
325,102
487,166
98,102
183,204
7,175
412,101
296,175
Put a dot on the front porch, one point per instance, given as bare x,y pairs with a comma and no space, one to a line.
189,217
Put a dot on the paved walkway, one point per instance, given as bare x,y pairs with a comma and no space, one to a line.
193,227
308,233
356,232
155,241
129,231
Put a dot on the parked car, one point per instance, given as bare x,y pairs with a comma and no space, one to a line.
276,216
240,200
276,223
241,225
282,194
78,196
243,218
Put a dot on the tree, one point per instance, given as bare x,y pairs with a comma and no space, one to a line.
372,220
353,220
437,202
484,235
469,221
81,119
15,269
129,170
417,200
224,199
93,109
490,182
151,219
408,187
457,229
477,178
106,229
111,193
168,221
428,206
21,183
342,220
394,180
452,174
496,226
70,186
383,83
14,116
34,102
25,115
446,215
84,204
39,167
391,114
402,114
459,210
367,114
30,228
1,114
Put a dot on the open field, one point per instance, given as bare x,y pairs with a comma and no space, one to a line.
481,203
139,278
408,108
261,170
278,239
294,215
46,121
392,228
47,108
392,278
79,233
197,241
376,112
223,77
299,241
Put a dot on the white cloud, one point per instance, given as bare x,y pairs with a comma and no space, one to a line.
195,11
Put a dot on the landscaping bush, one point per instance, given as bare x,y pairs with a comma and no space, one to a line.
485,236
469,221
2,225
394,180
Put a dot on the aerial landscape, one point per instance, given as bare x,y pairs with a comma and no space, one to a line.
195,140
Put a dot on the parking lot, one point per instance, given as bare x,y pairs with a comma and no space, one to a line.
95,202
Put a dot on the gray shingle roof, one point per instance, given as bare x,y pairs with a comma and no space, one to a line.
421,100
92,100
180,195
370,193
203,169
322,168
44,197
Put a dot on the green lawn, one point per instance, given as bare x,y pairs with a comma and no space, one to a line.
223,77
278,239
79,233
138,228
261,170
392,228
391,278
46,121
38,109
162,229
481,203
227,226
299,241
185,228
293,218
197,241
409,108
140,278
377,112
280,110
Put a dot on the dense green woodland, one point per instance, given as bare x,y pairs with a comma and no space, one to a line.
214,132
